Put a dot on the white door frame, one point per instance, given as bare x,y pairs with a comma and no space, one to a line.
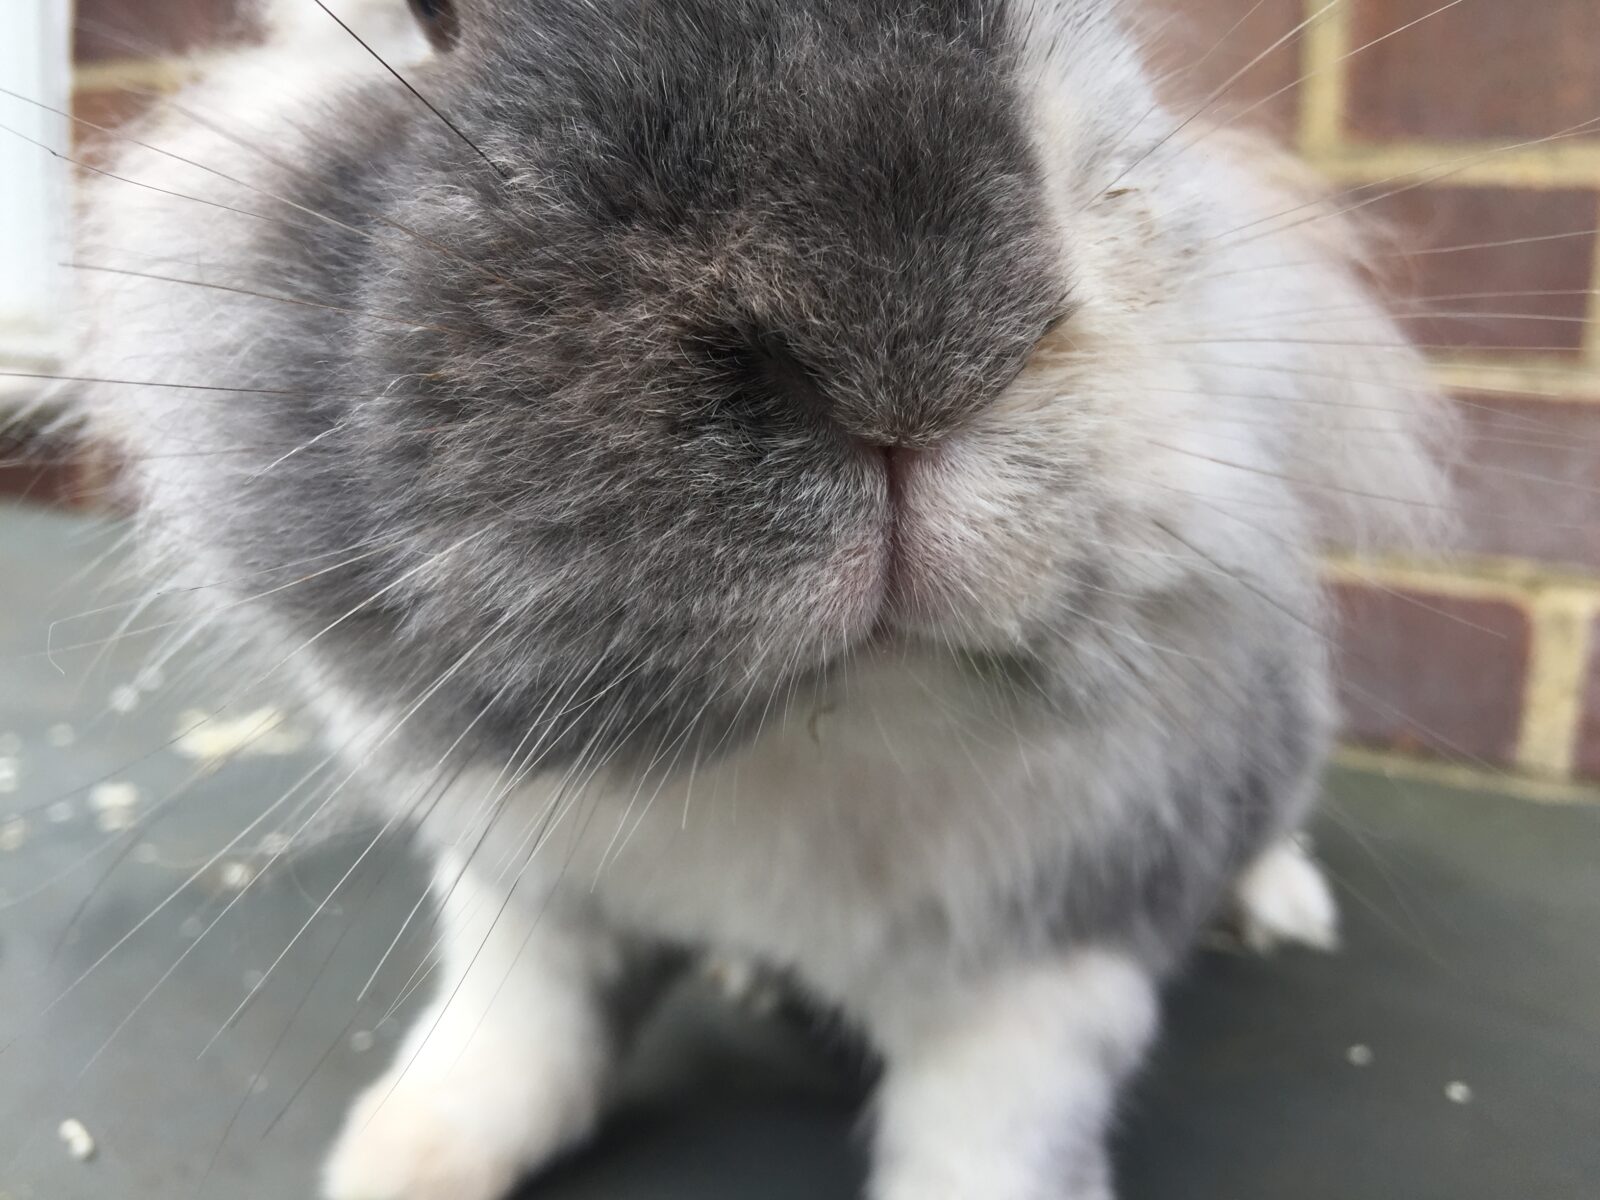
35,188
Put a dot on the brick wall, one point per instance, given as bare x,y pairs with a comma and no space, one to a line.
1492,659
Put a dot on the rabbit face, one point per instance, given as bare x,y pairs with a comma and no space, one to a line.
702,349
710,373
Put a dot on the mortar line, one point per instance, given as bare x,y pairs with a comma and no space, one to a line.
1324,46
1591,341
1461,777
1552,704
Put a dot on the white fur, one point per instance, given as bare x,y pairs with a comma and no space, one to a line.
505,1068
811,848
1001,1091
1283,898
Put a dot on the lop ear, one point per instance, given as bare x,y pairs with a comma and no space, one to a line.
1371,437
438,21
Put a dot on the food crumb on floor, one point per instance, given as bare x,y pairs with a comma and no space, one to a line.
78,1141
1457,1092
236,876
13,832
104,796
113,803
1359,1055
211,740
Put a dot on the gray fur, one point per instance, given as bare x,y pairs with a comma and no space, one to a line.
592,445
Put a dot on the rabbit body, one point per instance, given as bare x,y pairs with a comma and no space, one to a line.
835,482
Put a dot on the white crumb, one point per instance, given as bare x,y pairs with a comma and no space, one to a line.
213,740
114,820
1359,1056
13,832
1457,1092
77,1139
236,876
104,797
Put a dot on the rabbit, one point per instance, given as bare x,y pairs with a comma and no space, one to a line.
835,482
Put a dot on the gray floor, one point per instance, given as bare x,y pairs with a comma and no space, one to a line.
1470,983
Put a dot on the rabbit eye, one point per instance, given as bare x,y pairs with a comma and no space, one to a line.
438,21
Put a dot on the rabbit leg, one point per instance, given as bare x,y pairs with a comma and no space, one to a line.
506,1067
1283,897
1004,1091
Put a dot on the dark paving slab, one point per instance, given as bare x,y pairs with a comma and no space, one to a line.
1472,958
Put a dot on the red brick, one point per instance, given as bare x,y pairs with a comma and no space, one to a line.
1588,757
147,28
1431,269
1434,673
1486,68
1198,46
1529,479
